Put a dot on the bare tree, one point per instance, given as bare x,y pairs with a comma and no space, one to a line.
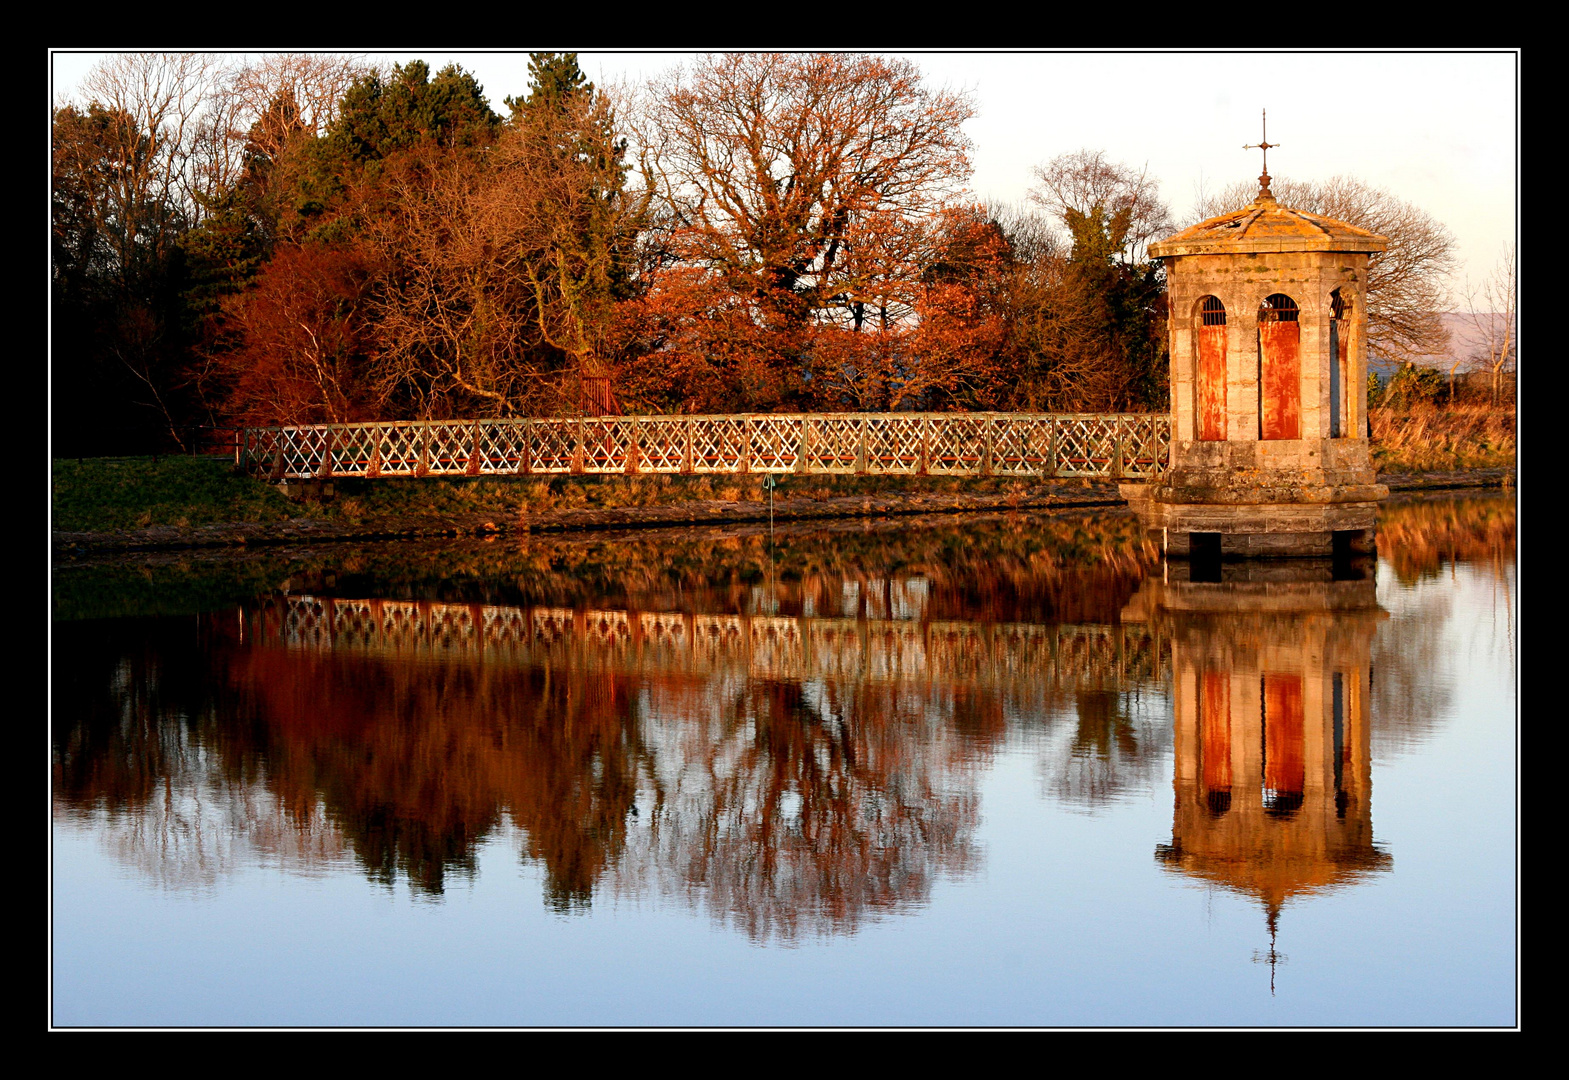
313,84
1492,310
794,177
1084,183
1030,233
161,103
1407,285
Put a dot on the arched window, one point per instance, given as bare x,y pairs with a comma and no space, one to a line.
1279,369
1209,384
1215,739
1284,761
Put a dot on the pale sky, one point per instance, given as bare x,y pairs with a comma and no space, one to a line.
1436,128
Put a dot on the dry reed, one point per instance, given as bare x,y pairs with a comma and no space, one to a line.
1424,437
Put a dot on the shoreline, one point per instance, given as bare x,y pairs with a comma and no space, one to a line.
1050,496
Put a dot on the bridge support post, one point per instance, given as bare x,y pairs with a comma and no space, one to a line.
373,466
860,452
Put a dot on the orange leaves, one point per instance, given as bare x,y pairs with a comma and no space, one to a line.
299,338
799,190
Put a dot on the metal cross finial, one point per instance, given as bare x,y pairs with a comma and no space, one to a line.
1264,144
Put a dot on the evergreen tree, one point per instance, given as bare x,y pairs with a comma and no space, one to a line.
554,79
1125,297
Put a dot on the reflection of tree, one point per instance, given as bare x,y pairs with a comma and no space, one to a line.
132,740
416,762
805,808
789,808
786,807
1413,684
1418,536
575,810
1114,748
1413,666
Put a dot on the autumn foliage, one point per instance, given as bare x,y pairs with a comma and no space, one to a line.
755,232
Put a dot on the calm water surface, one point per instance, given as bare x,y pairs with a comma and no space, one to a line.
1007,771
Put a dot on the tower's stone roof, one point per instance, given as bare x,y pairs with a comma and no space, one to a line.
1265,225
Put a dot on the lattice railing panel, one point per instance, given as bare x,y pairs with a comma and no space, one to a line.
1021,445
304,450
893,443
606,440
396,449
499,447
661,444
957,444
774,443
1146,443
717,444
353,448
552,445
448,446
1086,445
833,443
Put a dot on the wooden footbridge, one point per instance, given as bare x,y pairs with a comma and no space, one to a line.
1126,445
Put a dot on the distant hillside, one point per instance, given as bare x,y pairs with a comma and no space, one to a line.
1466,339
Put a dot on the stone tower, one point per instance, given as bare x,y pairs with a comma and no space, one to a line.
1269,450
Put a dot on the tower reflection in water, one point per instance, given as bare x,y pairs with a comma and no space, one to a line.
1271,678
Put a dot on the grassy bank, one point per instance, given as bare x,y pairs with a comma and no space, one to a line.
134,493
1424,437
102,494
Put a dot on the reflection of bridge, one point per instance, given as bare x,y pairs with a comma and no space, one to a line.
997,655
939,444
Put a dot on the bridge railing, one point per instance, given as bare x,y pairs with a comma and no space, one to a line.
1119,445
